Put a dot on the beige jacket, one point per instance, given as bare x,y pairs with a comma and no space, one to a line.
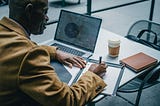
28,79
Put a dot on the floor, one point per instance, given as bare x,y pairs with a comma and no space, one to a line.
117,20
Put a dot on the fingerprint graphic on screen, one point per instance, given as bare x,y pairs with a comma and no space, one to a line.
71,30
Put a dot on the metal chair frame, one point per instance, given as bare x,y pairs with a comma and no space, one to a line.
149,32
149,78
144,84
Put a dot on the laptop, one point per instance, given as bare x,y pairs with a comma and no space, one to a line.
77,33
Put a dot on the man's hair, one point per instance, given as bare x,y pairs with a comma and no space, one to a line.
18,3
17,7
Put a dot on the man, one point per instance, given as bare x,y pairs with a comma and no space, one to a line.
27,78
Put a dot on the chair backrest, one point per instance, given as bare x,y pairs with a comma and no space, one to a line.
145,32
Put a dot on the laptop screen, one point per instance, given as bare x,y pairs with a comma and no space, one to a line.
78,30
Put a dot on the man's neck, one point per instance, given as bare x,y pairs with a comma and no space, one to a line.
23,27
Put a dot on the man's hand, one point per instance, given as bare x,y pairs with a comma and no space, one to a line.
70,60
99,69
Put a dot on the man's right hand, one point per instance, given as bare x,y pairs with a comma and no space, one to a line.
99,69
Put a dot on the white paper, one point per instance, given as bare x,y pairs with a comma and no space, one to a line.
110,78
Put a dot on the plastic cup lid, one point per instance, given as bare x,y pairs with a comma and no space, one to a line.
114,42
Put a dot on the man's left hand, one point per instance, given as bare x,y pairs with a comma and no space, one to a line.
70,60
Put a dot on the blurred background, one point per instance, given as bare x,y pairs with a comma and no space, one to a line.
118,17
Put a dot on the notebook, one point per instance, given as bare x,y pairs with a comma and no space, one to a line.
139,62
112,76
77,32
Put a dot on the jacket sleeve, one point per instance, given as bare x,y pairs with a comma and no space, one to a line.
38,80
51,50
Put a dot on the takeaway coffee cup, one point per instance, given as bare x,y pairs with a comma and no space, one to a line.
113,47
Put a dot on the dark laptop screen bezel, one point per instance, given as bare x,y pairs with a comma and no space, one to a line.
73,44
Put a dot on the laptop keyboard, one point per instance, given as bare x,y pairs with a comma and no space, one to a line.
68,50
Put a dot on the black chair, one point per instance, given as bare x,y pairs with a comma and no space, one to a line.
3,2
146,33
138,85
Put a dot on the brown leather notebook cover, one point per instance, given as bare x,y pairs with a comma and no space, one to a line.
139,61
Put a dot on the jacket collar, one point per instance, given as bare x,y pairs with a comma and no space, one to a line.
13,25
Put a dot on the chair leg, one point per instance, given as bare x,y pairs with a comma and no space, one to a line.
91,104
79,1
138,97
125,99
63,3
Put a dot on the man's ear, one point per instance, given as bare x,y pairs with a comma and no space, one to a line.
28,10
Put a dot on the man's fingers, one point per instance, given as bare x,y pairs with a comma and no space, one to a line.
103,65
76,63
102,74
68,64
79,62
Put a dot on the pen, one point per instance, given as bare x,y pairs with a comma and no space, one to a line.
100,59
